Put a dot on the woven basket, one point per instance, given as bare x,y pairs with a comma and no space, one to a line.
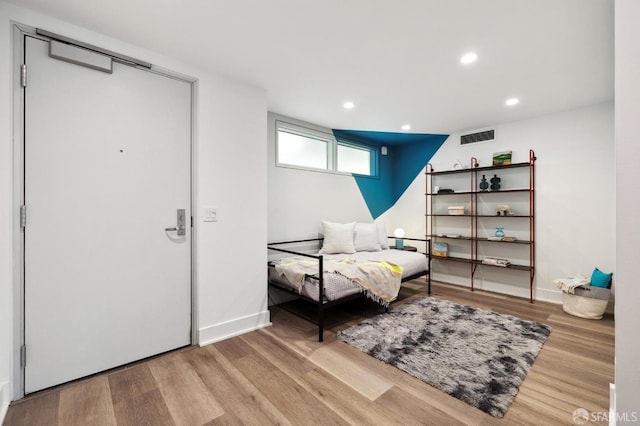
589,303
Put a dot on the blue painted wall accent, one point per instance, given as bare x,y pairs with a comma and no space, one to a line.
407,154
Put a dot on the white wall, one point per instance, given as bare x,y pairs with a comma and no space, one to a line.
6,220
232,259
627,125
574,196
409,211
299,200
231,173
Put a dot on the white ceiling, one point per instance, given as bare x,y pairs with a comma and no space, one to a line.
398,61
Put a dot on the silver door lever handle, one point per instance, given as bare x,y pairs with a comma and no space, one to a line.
180,219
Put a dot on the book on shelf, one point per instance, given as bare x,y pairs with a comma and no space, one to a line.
502,158
440,249
496,262
506,239
444,191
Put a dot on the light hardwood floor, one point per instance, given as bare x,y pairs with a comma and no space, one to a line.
282,375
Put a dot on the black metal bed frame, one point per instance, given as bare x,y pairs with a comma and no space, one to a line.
321,305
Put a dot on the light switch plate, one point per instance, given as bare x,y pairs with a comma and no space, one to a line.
210,214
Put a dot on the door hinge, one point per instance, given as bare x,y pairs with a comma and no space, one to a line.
23,216
23,75
192,221
23,356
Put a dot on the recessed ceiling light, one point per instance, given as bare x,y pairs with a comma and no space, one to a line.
348,105
512,101
406,127
468,58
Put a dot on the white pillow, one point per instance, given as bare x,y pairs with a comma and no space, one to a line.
366,238
382,236
338,238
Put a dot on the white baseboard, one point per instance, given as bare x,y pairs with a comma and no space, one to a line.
236,327
551,296
612,404
541,294
4,400
611,305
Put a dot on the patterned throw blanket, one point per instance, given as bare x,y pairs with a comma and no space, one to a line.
569,285
380,281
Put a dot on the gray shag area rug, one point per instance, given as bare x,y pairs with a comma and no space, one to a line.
478,356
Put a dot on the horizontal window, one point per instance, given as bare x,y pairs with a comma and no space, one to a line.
355,159
302,150
300,147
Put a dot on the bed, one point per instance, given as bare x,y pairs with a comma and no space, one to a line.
379,268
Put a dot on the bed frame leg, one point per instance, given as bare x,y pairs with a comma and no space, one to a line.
320,298
429,266
320,323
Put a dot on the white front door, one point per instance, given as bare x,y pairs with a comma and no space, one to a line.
107,166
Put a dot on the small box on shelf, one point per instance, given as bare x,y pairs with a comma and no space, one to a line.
456,210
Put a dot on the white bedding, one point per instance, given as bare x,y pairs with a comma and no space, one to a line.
412,262
337,286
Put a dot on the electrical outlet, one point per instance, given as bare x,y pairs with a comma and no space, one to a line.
210,214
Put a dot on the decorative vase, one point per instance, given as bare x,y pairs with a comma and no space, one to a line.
495,183
484,185
500,231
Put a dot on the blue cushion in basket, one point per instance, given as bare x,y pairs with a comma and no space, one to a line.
600,279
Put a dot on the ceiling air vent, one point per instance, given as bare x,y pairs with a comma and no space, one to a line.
486,135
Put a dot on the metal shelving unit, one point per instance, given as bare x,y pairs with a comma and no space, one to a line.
474,219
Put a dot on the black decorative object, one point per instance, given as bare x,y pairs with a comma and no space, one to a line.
495,183
484,185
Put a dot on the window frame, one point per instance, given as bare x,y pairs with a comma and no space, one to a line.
373,156
295,129
332,149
